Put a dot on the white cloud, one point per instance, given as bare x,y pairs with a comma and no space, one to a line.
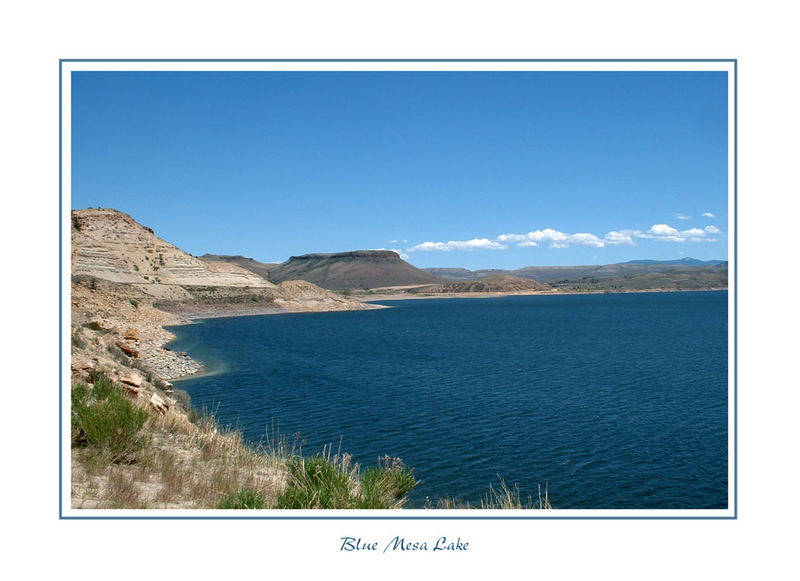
620,237
662,230
586,239
709,215
513,238
667,233
474,244
549,235
683,217
554,237
557,239
694,234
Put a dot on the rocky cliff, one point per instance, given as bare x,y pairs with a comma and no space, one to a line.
111,245
127,283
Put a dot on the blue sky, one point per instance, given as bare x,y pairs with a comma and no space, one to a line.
459,169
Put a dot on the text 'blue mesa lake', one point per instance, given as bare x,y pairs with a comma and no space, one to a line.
610,400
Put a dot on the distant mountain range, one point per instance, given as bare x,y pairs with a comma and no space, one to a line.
373,269
683,261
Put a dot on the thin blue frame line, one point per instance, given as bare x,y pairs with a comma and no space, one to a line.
400,518
60,300
735,314
735,286
395,60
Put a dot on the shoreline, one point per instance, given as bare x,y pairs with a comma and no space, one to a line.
199,315
413,296
190,316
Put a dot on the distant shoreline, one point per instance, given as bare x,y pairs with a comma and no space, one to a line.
201,313
193,315
414,296
219,313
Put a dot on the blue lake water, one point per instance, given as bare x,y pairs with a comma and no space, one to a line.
612,401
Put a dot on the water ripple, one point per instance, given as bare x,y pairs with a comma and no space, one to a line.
616,401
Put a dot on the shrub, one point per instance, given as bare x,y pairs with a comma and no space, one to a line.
106,420
94,326
316,483
384,485
245,498
322,482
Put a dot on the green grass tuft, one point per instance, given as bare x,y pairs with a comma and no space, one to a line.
245,498
104,419
335,483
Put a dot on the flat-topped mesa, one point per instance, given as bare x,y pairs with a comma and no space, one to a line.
353,254
357,269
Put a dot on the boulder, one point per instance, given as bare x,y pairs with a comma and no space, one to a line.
79,364
127,349
80,368
131,335
158,403
134,391
132,379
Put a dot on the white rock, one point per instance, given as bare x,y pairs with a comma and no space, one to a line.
158,403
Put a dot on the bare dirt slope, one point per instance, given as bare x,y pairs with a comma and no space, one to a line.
260,268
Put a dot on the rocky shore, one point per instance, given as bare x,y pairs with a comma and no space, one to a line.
117,327
128,284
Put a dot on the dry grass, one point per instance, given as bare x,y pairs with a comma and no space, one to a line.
185,466
199,465
502,498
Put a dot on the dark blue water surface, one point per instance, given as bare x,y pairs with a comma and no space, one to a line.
613,401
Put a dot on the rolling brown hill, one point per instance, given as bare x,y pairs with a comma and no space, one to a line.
259,268
492,284
679,275
359,269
